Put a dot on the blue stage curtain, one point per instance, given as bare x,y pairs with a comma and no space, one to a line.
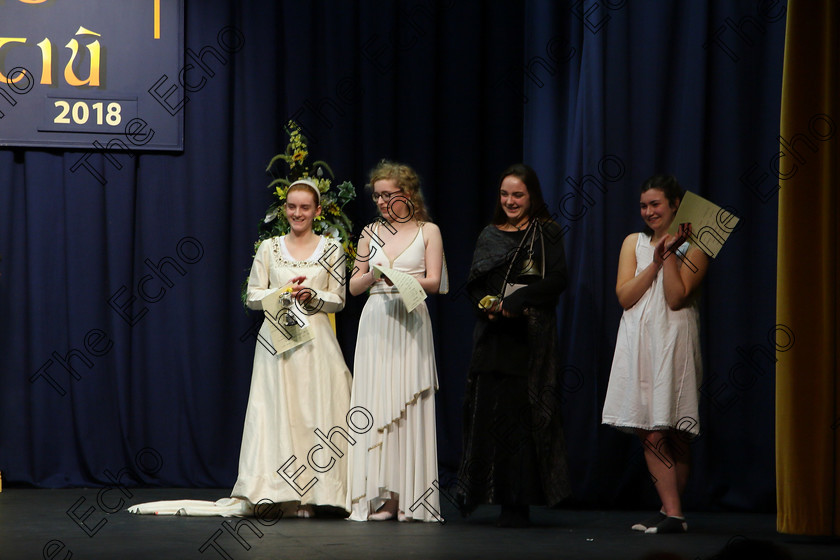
615,92
162,385
583,91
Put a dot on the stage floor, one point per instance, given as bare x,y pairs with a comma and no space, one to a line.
36,524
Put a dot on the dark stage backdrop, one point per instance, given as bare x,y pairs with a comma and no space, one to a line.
596,96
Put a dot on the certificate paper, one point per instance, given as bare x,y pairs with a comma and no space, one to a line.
710,224
285,337
411,292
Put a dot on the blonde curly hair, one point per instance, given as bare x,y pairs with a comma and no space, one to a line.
405,179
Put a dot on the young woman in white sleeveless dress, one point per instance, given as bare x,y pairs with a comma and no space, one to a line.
657,368
295,392
394,467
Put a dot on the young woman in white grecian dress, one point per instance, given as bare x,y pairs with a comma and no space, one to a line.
393,468
657,368
294,392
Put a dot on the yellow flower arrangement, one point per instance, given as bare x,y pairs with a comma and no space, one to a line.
333,222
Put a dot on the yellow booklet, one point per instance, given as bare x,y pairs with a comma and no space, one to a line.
710,224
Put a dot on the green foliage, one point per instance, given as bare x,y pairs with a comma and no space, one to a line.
333,222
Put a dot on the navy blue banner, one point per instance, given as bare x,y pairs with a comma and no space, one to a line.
92,74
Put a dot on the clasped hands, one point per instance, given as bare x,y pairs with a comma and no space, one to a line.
669,243
298,291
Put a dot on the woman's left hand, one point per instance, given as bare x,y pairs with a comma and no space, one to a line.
672,243
683,233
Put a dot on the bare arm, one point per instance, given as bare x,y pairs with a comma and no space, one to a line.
683,275
434,258
628,287
362,278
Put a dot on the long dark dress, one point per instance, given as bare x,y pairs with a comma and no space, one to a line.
514,447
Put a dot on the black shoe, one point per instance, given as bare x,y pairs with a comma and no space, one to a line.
647,523
516,517
669,525
461,504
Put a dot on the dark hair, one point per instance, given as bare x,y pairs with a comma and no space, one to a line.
528,176
670,188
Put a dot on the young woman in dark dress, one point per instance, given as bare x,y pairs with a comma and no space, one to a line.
514,447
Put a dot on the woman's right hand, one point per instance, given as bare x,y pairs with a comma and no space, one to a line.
661,249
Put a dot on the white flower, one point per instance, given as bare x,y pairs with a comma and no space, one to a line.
271,215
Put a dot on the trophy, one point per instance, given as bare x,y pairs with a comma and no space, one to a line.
286,301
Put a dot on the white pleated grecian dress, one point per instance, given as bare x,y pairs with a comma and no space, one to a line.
657,368
395,379
292,394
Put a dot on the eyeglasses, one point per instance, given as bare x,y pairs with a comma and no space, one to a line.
385,195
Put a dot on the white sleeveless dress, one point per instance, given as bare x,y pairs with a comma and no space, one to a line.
657,368
395,379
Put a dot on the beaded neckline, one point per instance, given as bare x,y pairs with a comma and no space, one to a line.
284,258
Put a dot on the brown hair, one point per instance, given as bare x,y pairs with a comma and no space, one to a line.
301,186
527,175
